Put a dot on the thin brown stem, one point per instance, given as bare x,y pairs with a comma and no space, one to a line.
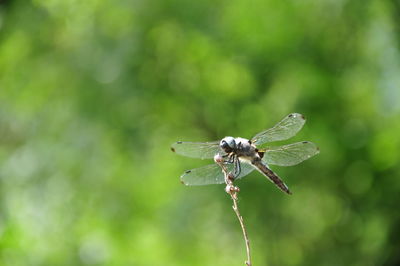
233,192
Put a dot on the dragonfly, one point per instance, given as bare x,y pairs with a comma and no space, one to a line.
241,156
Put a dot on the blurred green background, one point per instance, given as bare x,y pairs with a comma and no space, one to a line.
92,94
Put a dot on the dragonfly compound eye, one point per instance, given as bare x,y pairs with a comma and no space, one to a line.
228,144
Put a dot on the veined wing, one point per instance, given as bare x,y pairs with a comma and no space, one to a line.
291,154
245,169
212,174
202,150
285,129
205,175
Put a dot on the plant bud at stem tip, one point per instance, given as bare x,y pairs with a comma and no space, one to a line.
218,158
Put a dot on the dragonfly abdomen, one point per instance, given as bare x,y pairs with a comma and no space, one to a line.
262,168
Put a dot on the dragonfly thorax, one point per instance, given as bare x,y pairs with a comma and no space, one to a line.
244,149
239,146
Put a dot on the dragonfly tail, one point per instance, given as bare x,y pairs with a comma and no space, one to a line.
274,178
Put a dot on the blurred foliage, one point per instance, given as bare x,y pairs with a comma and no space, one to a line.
92,94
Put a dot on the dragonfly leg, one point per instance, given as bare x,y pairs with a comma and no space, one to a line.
237,167
231,158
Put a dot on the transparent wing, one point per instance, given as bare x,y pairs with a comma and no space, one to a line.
202,150
245,169
211,174
287,128
291,154
206,175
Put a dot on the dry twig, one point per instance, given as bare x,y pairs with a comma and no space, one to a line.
233,192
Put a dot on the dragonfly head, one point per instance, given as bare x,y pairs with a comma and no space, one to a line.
228,144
